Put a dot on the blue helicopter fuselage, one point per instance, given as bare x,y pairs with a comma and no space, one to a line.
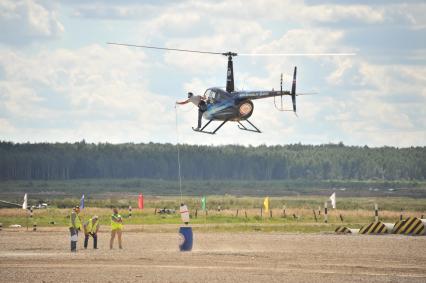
222,105
234,106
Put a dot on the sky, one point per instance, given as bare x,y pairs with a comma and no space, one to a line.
61,82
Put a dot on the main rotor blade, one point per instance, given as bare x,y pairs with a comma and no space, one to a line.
297,54
306,93
163,48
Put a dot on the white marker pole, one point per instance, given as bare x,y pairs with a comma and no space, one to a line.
325,213
376,212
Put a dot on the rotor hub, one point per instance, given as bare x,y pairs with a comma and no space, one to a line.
230,54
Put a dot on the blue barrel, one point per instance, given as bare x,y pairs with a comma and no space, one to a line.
186,234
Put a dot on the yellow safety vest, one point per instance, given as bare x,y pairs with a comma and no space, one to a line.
77,221
90,228
116,225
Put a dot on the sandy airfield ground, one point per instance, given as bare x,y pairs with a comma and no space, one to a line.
149,256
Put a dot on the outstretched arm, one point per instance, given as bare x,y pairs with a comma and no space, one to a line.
183,102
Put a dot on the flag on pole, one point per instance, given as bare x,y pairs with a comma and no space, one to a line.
266,204
25,203
333,200
140,201
82,202
203,203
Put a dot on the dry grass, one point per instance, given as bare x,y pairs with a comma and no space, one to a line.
251,215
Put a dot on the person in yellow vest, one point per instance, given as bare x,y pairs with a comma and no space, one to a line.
74,226
116,228
91,228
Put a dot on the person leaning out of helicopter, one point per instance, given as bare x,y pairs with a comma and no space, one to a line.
199,101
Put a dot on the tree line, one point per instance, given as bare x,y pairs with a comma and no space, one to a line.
64,161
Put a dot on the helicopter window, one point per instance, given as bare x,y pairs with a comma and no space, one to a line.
219,95
209,95
215,95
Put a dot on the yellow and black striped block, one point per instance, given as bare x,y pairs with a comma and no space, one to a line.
398,225
410,226
342,230
374,228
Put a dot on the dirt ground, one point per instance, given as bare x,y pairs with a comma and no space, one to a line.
44,256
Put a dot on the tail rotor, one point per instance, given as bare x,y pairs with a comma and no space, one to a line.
281,108
292,94
293,90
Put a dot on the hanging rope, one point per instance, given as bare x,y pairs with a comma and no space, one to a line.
190,109
178,154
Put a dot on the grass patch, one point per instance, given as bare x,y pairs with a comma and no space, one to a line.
298,216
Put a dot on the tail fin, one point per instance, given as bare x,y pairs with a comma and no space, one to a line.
293,89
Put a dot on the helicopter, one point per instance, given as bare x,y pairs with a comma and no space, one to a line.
229,105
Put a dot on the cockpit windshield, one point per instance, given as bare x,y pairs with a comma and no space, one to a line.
208,94
215,95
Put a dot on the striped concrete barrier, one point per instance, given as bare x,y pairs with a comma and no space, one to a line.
345,230
410,226
377,228
398,225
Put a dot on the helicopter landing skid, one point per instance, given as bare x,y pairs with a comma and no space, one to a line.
244,128
207,132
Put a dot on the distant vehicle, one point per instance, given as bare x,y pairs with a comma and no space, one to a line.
40,206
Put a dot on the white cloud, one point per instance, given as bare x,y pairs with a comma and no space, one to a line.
113,10
22,22
110,93
386,109
90,89
313,40
228,36
6,129
343,64
336,13
295,11
402,13
172,22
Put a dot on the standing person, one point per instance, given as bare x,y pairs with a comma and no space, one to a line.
199,101
75,226
91,228
116,228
